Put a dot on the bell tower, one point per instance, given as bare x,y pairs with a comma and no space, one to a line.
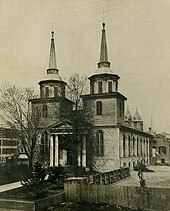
52,86
52,103
107,102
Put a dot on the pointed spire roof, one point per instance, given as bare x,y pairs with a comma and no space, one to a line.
52,59
52,71
103,51
128,115
136,116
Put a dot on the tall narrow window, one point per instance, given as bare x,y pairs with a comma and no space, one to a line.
133,145
147,142
109,86
100,90
45,111
137,146
99,143
141,147
55,91
120,109
124,145
99,108
129,145
46,91
92,88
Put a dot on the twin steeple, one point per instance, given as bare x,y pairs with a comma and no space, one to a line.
103,51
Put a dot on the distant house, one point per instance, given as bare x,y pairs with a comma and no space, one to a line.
161,149
8,144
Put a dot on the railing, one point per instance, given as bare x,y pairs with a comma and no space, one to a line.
110,177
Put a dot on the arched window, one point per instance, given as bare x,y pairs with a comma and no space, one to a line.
45,111
99,108
100,87
109,86
129,145
137,146
147,142
46,91
141,147
99,143
133,145
92,88
124,145
55,91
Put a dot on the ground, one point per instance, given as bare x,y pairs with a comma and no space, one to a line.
158,178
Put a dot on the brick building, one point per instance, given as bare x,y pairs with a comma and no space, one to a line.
8,144
161,149
117,139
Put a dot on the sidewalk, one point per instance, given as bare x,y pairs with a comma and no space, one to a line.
10,186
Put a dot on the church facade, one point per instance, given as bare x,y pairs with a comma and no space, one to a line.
116,139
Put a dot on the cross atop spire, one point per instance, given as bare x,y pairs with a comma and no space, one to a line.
103,51
52,59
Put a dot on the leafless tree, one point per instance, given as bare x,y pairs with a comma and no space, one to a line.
16,112
77,86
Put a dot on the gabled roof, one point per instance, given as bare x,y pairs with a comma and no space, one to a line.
136,116
63,127
128,115
62,124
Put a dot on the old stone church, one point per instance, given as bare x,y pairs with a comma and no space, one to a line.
117,139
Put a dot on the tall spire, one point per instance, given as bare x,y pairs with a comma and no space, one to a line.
52,59
103,51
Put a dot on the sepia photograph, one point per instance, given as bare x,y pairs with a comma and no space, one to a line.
84,105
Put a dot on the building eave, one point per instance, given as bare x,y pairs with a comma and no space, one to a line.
104,95
45,81
52,99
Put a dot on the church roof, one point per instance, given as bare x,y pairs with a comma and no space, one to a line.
136,116
103,64
52,71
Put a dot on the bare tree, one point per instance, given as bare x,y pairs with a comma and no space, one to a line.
17,114
77,86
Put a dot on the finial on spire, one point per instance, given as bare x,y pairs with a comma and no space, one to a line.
52,34
103,26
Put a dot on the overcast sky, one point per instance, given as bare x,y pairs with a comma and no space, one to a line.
138,38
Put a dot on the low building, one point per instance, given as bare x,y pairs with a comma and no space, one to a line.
8,144
161,149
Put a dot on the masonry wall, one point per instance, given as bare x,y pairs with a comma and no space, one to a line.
131,160
108,116
110,160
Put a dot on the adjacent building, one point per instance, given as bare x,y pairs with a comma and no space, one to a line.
161,149
8,144
116,139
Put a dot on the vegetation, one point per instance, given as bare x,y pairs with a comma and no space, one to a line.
16,112
36,184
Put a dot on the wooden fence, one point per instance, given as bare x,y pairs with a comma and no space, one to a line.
109,177
79,190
